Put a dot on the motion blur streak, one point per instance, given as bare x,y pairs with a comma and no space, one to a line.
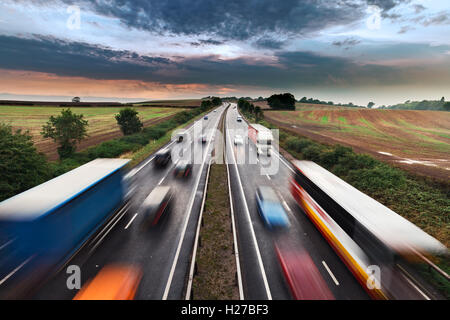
52,221
363,232
114,282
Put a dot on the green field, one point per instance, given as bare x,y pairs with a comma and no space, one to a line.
101,120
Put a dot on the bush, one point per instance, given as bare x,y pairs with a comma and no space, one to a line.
129,121
21,166
312,152
380,178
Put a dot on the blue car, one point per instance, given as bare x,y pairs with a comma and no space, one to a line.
206,118
270,208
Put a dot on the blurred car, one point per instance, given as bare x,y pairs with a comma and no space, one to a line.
156,205
113,282
302,276
183,169
205,118
215,110
238,140
270,208
239,119
203,138
181,136
162,158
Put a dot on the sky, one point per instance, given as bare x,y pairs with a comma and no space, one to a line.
385,51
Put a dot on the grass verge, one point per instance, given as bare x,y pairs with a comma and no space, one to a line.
216,264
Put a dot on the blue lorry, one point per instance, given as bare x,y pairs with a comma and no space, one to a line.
42,228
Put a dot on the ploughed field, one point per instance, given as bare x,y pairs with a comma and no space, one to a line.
102,124
416,140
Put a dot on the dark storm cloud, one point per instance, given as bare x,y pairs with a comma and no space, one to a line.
346,43
419,8
207,42
386,4
64,58
233,19
269,43
441,18
291,69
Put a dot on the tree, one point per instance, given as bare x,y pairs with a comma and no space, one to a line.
21,166
370,105
206,104
216,101
66,129
129,121
443,99
258,114
282,101
447,106
251,108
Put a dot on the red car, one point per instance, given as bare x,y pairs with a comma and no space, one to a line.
302,275
182,169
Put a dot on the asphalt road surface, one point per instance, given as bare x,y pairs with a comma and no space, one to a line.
262,276
162,253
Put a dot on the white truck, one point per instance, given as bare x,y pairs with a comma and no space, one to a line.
262,137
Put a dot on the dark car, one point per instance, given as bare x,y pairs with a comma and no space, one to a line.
162,158
205,118
270,208
183,169
156,205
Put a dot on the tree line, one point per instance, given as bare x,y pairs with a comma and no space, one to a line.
23,167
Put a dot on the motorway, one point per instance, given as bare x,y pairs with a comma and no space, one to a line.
162,253
262,276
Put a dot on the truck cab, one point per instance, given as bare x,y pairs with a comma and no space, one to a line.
262,138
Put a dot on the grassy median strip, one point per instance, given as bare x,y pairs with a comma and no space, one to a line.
215,278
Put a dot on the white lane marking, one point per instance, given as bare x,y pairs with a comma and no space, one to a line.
406,275
15,270
286,206
417,288
331,273
124,208
236,248
186,220
106,233
133,172
252,231
197,234
6,244
285,163
131,221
